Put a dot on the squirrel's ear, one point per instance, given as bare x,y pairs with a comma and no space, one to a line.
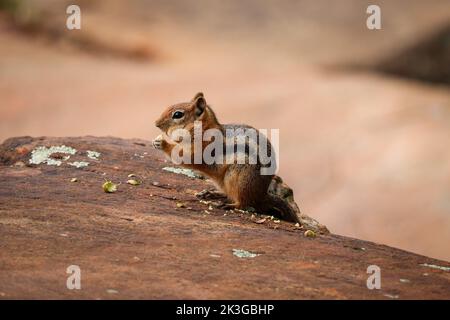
199,104
198,95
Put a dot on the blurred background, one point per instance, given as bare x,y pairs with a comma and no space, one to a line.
364,115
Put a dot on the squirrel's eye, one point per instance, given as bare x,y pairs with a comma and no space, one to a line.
178,115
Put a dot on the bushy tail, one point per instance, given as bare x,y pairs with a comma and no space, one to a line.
280,208
280,202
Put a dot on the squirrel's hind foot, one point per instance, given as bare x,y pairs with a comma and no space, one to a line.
228,206
210,195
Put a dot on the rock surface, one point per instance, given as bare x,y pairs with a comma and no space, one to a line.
350,141
156,240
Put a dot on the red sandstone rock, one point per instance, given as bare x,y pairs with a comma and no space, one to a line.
139,243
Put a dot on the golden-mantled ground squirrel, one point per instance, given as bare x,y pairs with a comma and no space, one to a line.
243,184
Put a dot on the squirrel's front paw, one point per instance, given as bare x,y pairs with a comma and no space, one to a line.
158,142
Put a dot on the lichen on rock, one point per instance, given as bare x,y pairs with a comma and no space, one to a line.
42,155
244,253
433,266
78,164
94,155
186,172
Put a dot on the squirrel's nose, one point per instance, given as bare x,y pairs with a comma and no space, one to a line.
158,123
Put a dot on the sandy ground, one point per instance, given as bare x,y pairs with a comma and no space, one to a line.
366,154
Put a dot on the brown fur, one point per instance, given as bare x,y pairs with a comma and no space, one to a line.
242,183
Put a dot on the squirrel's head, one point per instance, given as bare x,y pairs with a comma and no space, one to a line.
183,115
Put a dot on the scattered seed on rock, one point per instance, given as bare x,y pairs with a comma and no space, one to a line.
109,187
310,234
73,180
134,182
181,205
19,164
260,221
